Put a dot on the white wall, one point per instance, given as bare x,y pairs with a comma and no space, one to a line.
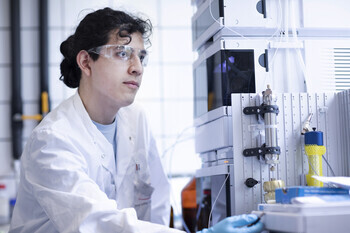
167,87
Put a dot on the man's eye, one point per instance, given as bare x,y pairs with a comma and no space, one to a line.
122,54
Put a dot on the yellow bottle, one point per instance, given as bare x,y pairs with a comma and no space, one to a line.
314,149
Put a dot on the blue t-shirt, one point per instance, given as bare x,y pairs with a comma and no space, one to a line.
110,132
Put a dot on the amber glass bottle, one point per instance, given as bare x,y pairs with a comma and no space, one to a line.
171,223
188,203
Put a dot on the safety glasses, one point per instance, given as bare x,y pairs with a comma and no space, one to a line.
121,52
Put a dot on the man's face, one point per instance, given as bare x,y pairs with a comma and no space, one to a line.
115,81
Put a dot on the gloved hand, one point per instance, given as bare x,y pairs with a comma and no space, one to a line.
236,224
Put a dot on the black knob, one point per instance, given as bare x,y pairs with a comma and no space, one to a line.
251,182
314,128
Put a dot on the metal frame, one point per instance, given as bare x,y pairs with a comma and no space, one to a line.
331,116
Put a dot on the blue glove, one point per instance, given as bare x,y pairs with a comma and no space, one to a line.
236,224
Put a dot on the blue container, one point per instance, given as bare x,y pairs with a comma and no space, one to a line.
285,195
314,138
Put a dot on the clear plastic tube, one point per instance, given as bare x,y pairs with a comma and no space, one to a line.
298,52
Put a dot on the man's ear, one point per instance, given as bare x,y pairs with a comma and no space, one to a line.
83,61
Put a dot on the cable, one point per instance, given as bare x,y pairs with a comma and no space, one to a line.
239,34
295,37
171,148
177,210
278,29
279,25
177,140
328,165
211,211
270,65
267,75
211,14
313,169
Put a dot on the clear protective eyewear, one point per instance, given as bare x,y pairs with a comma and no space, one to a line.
121,52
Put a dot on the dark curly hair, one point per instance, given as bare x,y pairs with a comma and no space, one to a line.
93,31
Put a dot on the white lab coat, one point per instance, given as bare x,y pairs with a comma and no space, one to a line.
71,183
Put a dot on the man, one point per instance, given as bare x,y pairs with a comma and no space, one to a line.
92,164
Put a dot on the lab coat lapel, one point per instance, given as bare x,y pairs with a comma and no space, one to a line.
106,149
125,152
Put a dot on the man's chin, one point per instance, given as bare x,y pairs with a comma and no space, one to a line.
129,102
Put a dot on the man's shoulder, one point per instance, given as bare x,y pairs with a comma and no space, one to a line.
60,118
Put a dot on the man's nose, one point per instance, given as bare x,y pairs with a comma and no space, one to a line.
136,67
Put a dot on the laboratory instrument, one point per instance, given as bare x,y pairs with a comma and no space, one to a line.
267,72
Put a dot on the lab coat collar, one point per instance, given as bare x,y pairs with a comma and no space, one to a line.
107,153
